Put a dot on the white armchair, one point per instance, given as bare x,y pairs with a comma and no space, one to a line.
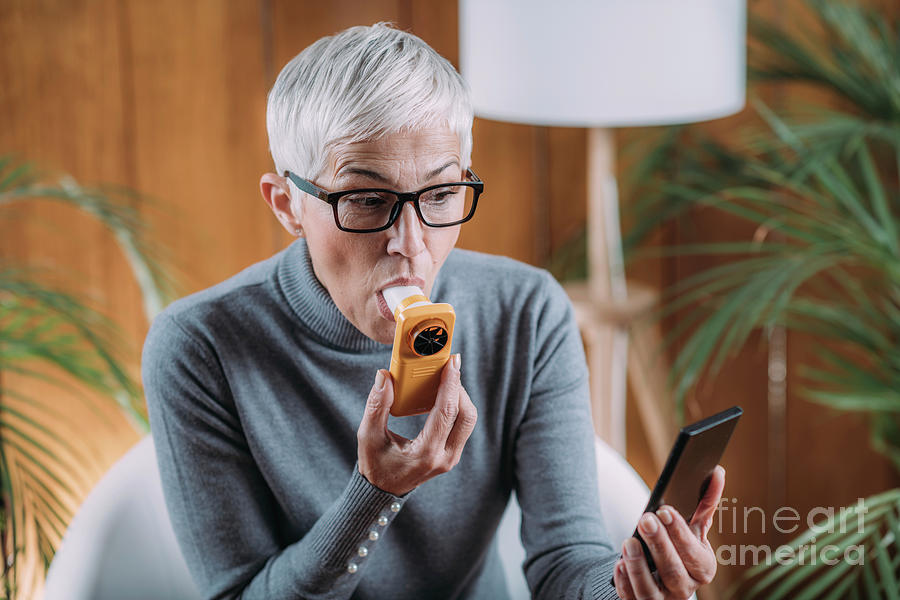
120,545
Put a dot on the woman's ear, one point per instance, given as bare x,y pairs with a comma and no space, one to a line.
276,192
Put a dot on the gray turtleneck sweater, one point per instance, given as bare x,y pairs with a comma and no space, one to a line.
256,387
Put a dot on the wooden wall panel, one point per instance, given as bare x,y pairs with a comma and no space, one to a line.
198,80
296,25
60,101
504,224
435,22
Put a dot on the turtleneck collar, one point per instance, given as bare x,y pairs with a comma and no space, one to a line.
313,305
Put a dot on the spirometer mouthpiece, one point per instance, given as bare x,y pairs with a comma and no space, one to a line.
402,297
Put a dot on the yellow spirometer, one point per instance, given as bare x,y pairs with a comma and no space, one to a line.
421,348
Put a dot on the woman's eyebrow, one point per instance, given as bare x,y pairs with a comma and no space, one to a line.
438,171
379,177
364,172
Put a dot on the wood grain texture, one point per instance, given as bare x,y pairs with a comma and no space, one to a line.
504,223
199,132
296,25
435,22
61,97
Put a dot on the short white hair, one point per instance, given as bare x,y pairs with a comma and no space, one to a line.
359,85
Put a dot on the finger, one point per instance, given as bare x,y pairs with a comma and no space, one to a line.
696,554
669,566
642,583
623,586
446,407
463,427
706,509
378,407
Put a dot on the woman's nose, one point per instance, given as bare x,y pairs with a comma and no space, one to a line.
407,233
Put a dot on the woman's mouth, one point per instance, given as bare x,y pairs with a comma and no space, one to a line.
383,307
379,297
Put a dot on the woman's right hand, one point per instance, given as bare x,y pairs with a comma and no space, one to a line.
396,464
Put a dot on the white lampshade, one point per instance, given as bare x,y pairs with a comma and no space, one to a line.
604,63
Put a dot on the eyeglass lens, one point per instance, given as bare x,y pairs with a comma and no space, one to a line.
371,210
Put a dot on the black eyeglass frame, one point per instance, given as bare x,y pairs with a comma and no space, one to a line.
332,198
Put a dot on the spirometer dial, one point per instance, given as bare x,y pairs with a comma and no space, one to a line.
428,338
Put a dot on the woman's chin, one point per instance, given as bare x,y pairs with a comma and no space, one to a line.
381,331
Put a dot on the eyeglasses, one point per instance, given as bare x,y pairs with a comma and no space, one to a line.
372,209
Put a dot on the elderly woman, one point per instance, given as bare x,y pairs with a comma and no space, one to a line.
283,474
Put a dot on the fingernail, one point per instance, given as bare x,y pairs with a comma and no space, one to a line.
379,381
648,524
620,569
632,547
457,360
665,516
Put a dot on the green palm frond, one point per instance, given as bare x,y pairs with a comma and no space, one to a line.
827,224
854,553
49,336
858,61
818,190
115,207
42,325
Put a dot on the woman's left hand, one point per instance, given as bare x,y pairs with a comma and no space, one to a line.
684,558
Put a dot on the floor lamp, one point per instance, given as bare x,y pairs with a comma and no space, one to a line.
601,64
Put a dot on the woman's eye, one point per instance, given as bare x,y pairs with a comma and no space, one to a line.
441,195
365,200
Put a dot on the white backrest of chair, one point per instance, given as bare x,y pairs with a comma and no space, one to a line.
120,545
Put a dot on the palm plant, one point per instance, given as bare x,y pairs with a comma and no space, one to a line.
822,194
50,336
821,190
850,555
825,261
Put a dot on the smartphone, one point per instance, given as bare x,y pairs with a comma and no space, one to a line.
422,340
686,475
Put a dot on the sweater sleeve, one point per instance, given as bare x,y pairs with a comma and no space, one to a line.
568,553
221,508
